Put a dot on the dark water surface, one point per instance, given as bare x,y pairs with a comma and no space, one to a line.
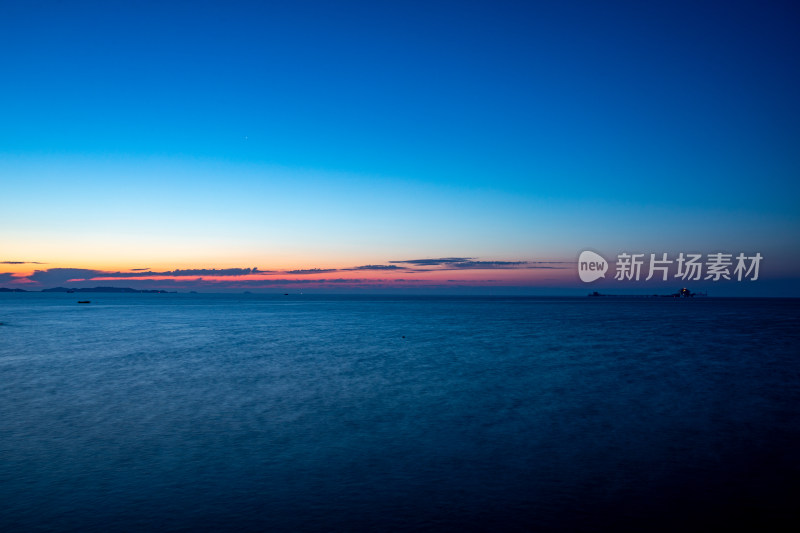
295,413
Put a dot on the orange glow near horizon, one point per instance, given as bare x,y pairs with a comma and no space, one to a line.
157,275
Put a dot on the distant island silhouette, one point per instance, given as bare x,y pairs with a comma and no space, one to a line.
93,289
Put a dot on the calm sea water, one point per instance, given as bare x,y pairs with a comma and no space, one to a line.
309,413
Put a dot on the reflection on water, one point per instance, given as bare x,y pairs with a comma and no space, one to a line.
346,413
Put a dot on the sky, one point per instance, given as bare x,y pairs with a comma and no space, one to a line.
408,146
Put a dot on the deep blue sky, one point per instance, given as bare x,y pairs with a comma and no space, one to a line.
682,114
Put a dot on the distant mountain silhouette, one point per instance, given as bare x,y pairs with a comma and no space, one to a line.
105,289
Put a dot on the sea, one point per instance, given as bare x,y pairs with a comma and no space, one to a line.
315,412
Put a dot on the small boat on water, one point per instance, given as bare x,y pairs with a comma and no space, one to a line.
84,301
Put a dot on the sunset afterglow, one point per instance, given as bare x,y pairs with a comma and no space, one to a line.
502,139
